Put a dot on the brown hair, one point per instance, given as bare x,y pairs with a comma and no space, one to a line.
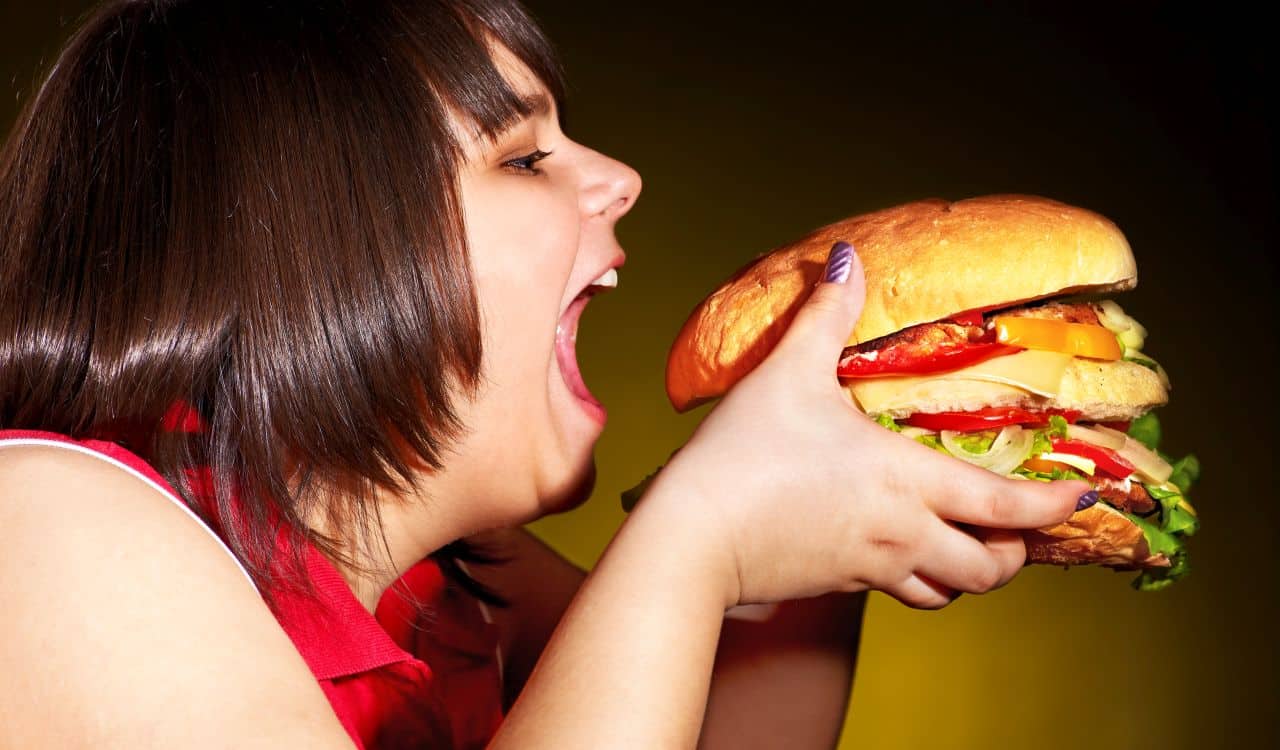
250,208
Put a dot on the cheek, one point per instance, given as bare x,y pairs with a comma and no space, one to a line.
523,241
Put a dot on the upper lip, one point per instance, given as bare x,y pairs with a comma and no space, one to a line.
616,262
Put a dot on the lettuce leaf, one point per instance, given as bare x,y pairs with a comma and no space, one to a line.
1146,430
886,421
933,441
1053,476
1058,427
1186,471
1160,542
1138,359
976,442
1174,519
1154,579
1041,443
1181,522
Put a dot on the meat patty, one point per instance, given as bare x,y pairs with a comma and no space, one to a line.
1132,498
1069,312
927,337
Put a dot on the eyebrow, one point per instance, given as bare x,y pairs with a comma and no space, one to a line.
537,105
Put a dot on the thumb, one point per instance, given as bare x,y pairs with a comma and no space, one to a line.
821,328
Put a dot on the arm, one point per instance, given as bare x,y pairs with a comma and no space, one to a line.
784,681
798,663
125,625
630,662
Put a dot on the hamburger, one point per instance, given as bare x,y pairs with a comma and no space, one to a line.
988,334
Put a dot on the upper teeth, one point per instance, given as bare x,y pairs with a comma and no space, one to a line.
608,278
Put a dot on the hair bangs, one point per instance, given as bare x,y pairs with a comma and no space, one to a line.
455,45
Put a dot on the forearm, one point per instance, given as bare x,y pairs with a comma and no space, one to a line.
630,663
784,681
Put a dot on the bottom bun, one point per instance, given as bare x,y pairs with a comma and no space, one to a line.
1098,535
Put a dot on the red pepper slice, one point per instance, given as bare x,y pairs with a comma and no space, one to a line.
1117,426
971,318
893,361
1106,459
986,419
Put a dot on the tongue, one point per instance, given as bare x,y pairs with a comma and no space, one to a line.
566,352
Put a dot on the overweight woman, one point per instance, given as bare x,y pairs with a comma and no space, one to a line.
288,306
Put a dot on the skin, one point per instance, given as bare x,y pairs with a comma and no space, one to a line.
538,234
785,492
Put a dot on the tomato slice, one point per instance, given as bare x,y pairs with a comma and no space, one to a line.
1106,460
893,361
1076,339
985,419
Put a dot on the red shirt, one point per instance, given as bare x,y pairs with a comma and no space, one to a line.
424,666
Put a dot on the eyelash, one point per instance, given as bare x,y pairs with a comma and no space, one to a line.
525,164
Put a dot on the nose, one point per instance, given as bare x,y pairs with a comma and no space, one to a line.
610,188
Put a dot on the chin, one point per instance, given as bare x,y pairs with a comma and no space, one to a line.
573,493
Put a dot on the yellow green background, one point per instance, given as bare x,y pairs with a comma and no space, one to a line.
751,127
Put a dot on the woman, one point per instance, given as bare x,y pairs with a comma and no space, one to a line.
313,271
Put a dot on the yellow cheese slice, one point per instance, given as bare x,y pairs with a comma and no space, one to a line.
1030,371
1039,372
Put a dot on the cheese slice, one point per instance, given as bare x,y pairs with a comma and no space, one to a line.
1039,372
1030,371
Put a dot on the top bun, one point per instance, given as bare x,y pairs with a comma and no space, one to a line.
924,261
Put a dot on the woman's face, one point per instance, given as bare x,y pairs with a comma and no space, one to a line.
540,212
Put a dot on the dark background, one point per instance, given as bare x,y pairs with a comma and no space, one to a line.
752,127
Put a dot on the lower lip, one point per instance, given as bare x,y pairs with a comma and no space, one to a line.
567,358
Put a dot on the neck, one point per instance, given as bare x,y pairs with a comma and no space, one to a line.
412,528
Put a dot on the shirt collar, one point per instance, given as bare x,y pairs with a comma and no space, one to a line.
332,630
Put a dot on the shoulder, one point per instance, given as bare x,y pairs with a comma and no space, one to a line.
127,624
32,463
65,496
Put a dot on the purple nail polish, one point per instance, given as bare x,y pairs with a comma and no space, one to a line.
1087,500
839,263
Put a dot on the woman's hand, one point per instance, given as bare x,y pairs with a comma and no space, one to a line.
803,494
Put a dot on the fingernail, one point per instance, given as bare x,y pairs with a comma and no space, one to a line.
1087,500
839,263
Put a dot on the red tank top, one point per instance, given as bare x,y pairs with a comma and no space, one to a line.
425,664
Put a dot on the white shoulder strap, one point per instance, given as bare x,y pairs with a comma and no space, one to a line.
139,475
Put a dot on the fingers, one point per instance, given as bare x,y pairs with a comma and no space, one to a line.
983,499
920,592
1007,546
821,328
972,565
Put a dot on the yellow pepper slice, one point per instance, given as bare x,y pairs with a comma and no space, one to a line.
1076,339
1043,466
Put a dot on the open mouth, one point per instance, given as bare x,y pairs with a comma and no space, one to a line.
567,340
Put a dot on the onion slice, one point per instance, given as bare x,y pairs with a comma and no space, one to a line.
1007,451
1115,434
1146,462
1110,439
1131,333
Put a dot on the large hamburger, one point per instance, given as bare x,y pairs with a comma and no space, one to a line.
987,334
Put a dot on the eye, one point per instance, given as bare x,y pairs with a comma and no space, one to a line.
527,164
